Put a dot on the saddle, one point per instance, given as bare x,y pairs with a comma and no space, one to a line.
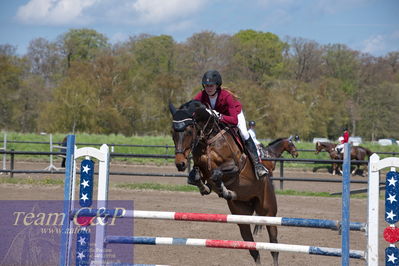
230,170
235,133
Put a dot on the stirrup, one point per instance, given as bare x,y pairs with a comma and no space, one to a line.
261,171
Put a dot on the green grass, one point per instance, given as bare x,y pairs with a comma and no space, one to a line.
155,186
165,141
31,181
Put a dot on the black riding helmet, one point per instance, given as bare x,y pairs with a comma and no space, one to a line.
252,123
212,77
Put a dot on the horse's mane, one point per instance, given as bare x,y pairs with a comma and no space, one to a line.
187,109
275,141
191,106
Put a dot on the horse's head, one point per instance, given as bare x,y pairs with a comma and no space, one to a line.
290,147
318,147
183,132
278,146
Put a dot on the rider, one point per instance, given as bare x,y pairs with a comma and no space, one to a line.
230,112
343,139
252,133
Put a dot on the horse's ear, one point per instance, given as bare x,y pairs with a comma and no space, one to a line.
172,108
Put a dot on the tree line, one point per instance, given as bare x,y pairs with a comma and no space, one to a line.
82,83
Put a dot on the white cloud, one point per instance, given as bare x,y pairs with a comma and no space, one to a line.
156,11
374,45
57,12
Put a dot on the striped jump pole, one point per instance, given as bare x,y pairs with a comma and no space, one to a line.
220,218
230,244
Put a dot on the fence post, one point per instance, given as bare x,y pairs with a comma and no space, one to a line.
5,149
281,175
12,163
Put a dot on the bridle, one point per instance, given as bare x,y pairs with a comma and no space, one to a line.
179,127
201,133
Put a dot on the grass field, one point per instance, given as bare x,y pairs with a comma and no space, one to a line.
166,143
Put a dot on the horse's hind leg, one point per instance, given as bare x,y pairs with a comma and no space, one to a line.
245,208
269,208
272,230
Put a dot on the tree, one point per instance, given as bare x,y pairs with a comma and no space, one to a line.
45,59
256,55
305,60
11,70
380,109
82,44
73,106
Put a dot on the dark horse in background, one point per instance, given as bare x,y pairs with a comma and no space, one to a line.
224,167
276,148
358,153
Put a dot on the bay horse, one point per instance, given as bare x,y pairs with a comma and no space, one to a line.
330,148
276,148
357,153
224,167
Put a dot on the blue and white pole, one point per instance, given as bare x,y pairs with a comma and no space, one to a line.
346,205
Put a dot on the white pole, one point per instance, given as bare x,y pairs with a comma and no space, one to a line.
51,167
373,202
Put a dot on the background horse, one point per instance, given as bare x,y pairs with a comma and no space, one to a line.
276,148
357,153
330,148
224,167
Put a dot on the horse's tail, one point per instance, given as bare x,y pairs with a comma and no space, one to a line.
369,152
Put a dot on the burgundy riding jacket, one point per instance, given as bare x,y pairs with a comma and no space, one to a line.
226,104
346,137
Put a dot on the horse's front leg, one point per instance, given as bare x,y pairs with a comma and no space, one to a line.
222,191
194,178
334,168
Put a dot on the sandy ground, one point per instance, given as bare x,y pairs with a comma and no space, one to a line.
289,206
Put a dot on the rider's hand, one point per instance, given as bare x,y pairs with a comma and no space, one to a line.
217,115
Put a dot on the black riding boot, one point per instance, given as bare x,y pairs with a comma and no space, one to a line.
260,170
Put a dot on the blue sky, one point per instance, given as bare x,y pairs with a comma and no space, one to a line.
370,26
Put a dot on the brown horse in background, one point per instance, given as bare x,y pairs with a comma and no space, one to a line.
358,153
276,148
334,155
224,167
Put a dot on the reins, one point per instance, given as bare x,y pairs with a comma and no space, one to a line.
209,141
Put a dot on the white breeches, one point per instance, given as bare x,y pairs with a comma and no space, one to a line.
242,126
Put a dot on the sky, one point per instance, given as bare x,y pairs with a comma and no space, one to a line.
369,26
